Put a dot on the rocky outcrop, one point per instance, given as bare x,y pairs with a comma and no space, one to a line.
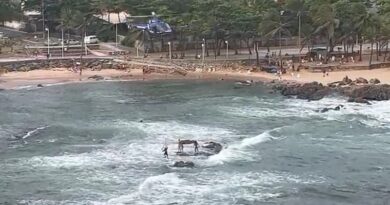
361,81
213,147
371,92
307,91
358,91
183,164
374,81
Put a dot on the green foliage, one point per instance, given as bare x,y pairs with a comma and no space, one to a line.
334,21
9,10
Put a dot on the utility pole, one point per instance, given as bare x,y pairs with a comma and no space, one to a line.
43,18
299,36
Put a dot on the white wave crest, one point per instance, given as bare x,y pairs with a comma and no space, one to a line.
32,132
239,151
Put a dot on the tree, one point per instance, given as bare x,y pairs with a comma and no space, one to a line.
324,17
273,25
9,10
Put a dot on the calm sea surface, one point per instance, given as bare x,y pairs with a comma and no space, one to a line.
86,144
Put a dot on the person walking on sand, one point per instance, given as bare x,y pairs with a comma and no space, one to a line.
165,151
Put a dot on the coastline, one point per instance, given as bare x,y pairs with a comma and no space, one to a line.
18,80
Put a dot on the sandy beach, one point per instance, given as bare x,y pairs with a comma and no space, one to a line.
13,80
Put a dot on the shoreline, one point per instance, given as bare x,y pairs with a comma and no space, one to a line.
58,76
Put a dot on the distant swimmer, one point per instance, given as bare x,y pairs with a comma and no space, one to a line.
165,151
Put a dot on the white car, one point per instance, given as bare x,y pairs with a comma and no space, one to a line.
91,39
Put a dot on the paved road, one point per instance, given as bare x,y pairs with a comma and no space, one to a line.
6,60
12,33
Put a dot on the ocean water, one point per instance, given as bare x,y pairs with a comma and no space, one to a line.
100,143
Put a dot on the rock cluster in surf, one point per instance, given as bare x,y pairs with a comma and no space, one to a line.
360,90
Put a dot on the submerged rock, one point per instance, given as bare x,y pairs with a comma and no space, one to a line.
337,108
183,164
359,100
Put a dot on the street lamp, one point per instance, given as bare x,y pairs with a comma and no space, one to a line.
62,42
203,48
170,51
299,37
280,39
116,35
48,41
227,49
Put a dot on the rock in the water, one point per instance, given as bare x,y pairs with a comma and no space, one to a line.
183,164
307,91
215,147
40,86
371,92
337,108
359,100
375,81
96,77
361,81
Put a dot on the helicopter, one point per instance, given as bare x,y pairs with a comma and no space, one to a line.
150,23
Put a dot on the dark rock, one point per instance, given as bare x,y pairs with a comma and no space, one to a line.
337,108
374,81
307,91
215,147
334,84
359,100
40,86
183,164
371,92
346,80
96,77
361,81
325,110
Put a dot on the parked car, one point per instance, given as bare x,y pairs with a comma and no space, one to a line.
91,39
270,68
71,42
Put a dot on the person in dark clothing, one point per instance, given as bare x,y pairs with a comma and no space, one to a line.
165,151
196,145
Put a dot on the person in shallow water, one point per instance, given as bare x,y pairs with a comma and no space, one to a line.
196,146
165,151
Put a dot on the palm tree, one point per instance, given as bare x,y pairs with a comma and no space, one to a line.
272,25
370,30
324,17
